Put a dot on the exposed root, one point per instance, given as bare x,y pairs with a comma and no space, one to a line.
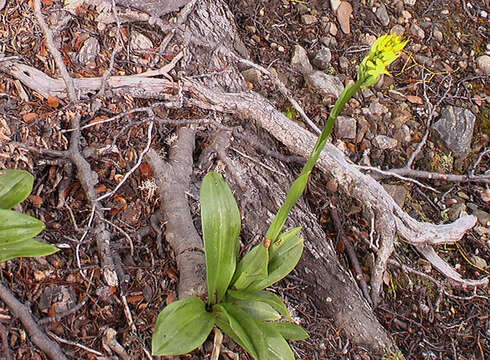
173,179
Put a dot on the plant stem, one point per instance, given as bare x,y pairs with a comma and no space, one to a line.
298,186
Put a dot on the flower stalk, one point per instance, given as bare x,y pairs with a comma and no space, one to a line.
384,51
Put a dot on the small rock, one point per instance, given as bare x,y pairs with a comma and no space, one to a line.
417,31
482,216
397,192
308,19
398,30
58,21
2,4
410,2
415,47
140,45
328,84
251,29
302,8
344,63
333,30
139,42
385,142
438,35
455,129
406,16
89,51
345,127
478,261
367,93
403,134
332,185
322,58
252,75
485,195
334,4
424,60
455,211
300,60
369,39
483,63
344,11
382,15
375,108
362,129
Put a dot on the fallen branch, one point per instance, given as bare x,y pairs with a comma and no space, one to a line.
37,335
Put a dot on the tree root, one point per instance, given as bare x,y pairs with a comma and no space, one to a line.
173,179
390,218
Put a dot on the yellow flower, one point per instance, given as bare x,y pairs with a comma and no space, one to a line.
384,51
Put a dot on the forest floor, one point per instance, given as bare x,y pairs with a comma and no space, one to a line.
442,66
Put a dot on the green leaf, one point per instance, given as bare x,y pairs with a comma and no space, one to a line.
277,347
258,310
223,323
221,224
284,255
15,187
289,330
15,226
25,248
252,267
261,295
244,330
181,327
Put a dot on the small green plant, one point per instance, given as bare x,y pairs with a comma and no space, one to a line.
238,303
16,229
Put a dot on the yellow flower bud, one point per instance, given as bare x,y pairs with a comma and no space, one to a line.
384,51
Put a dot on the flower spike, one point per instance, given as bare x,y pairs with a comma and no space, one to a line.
384,51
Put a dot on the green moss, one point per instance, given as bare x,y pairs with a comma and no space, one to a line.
442,162
484,123
393,355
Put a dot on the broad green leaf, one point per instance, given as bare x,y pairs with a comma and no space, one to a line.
15,226
277,347
223,323
25,248
244,328
252,267
289,330
15,187
294,193
181,327
284,255
221,224
258,310
261,295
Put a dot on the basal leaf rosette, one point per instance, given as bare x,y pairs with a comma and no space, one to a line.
384,51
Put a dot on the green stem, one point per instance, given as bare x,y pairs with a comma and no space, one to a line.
298,186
